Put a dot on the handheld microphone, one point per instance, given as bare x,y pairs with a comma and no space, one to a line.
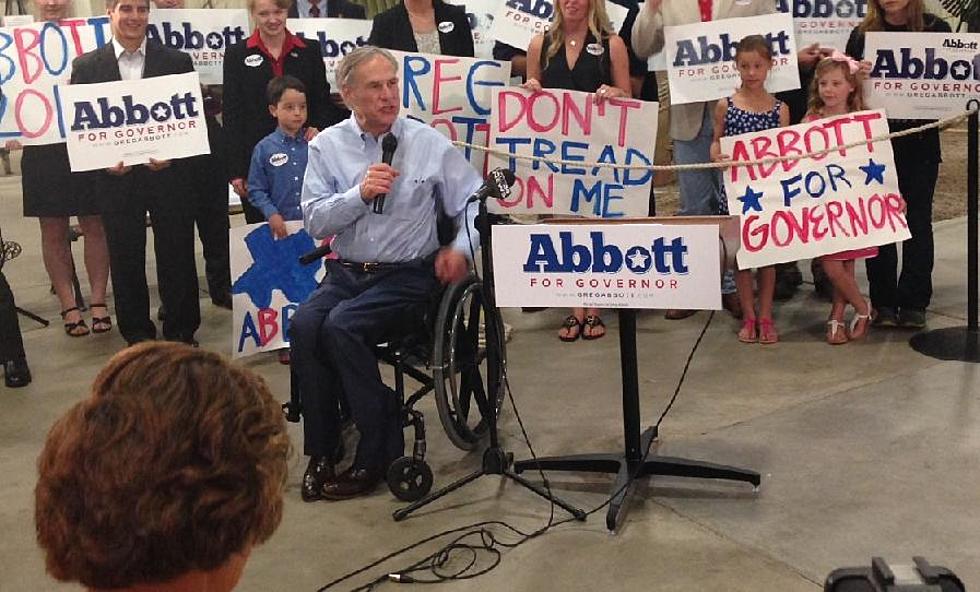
317,253
388,145
497,186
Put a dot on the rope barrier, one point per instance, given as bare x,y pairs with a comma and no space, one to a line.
723,165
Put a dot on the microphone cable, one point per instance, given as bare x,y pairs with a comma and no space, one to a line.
476,548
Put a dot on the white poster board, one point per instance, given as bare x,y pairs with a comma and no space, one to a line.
337,37
203,34
268,285
922,76
35,67
480,14
557,124
132,121
701,57
517,21
453,95
800,209
607,266
827,23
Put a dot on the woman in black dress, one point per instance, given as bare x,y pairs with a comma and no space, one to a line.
52,193
901,300
556,60
271,50
426,26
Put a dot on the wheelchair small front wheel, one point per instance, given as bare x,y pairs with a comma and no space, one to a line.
459,365
409,479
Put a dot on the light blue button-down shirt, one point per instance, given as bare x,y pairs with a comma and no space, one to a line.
275,176
433,174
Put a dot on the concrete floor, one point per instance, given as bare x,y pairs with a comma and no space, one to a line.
868,449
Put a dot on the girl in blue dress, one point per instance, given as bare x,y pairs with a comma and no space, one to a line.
751,109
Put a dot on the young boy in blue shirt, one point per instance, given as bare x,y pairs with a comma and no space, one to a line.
275,176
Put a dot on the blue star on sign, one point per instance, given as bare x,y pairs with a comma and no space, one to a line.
750,201
276,266
874,171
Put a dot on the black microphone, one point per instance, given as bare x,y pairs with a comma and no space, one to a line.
317,253
497,186
388,145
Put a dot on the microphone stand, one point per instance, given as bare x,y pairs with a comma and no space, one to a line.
495,460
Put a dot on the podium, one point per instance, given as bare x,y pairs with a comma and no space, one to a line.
634,461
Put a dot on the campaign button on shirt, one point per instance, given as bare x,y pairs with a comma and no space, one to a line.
595,49
446,27
278,159
253,61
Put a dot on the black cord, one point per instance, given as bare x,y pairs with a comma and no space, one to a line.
439,564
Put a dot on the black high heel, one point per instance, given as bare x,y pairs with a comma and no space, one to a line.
71,328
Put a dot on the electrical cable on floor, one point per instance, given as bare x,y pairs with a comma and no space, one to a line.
466,554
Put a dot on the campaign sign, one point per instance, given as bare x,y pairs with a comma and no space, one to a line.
453,95
517,21
607,265
480,14
337,38
800,209
701,57
556,124
204,34
35,67
132,121
922,76
826,22
268,285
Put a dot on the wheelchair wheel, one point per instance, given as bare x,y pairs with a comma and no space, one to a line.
459,365
409,480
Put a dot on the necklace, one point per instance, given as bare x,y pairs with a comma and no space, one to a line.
572,42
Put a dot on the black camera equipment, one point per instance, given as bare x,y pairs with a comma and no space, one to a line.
880,577
10,250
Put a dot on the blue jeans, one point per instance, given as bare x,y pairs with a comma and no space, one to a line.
332,339
701,191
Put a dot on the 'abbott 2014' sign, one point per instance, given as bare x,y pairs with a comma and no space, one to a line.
133,121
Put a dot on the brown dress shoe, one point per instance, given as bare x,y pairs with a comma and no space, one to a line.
352,483
676,314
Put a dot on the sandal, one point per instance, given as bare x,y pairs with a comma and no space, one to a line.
100,324
861,324
835,332
593,321
78,329
569,323
767,332
748,332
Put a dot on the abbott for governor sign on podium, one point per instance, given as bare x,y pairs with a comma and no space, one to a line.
607,265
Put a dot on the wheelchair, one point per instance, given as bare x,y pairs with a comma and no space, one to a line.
446,355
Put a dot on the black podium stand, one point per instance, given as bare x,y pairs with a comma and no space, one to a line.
630,464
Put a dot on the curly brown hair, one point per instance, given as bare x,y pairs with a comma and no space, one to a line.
176,462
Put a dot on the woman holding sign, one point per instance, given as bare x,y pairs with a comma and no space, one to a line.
52,193
271,51
425,26
556,60
901,300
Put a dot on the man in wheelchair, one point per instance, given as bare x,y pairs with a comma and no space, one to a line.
389,265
